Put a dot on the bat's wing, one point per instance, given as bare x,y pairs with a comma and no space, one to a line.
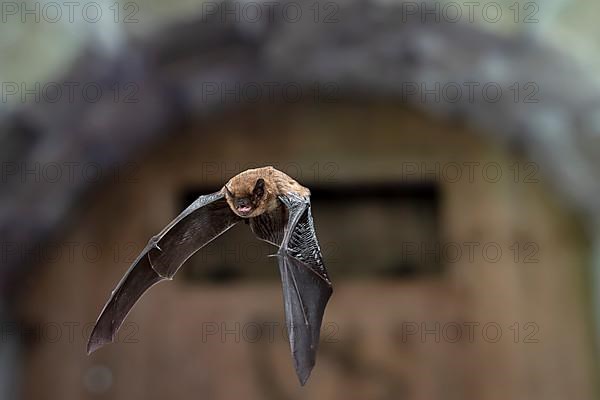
204,220
306,285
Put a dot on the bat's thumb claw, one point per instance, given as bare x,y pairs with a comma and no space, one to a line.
153,243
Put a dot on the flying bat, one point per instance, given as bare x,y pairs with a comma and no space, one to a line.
278,210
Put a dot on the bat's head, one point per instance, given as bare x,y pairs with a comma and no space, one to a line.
248,195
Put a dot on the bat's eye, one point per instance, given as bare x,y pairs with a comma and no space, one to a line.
229,192
259,188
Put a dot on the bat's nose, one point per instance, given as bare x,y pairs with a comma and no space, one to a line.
243,204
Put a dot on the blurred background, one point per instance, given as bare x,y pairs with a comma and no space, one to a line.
453,154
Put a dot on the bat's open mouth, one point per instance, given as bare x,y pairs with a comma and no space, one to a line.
244,209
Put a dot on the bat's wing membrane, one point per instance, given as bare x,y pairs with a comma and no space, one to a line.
205,219
306,285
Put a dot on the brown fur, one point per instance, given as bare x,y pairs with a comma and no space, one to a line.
276,183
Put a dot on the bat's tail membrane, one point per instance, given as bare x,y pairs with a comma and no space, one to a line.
140,277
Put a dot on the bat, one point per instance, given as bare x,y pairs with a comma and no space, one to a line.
278,211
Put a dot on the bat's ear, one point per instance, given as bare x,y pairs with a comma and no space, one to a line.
259,187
